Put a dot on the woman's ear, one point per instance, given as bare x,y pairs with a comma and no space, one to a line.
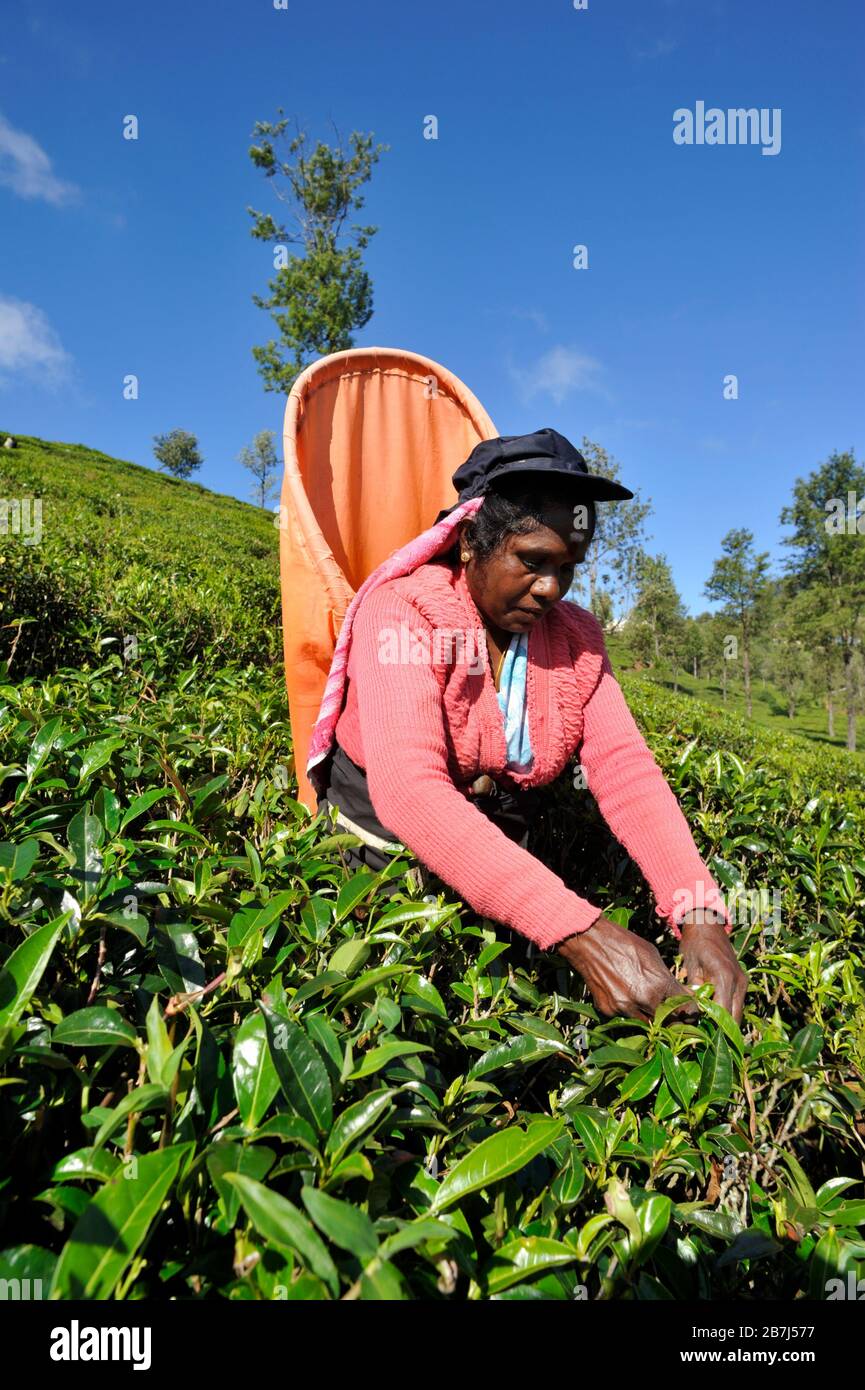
464,547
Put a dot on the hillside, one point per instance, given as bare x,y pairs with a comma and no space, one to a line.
283,1084
127,551
810,720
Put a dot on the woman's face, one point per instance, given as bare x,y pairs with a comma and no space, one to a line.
522,580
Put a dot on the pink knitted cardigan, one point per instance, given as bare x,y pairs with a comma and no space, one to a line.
426,724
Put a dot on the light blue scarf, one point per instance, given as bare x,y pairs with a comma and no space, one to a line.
512,701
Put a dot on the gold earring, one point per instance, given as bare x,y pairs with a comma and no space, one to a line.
464,556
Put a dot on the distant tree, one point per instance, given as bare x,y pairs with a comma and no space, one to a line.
693,645
828,519
177,452
716,658
261,460
319,296
617,545
602,607
791,663
658,617
740,581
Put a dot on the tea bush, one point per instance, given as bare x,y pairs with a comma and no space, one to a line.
234,1069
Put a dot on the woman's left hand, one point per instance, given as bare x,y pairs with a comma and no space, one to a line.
707,954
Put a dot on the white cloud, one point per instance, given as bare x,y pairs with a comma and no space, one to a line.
558,373
28,343
26,168
535,316
658,48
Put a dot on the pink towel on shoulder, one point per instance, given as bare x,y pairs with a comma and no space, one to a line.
417,551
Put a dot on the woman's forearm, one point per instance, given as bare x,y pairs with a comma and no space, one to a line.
640,807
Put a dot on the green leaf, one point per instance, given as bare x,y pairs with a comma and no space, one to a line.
18,859
252,1160
716,1074
799,1183
85,835
725,1022
178,957
524,1257
158,1043
126,920
516,1051
495,1158
353,1165
140,804
95,1027
569,1183
281,1223
716,1223
414,1233
42,745
300,1069
806,1046
346,1225
590,1127
425,991
29,1262
355,1121
641,1081
256,919
353,893
141,1098
20,976
97,755
490,953
382,1282
106,808
350,957
829,1262
682,1077
255,1079
113,1226
370,979
654,1217
85,1164
292,1129
379,1057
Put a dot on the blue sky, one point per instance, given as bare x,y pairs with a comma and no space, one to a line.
555,128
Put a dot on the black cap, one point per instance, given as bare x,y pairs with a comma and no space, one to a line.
545,451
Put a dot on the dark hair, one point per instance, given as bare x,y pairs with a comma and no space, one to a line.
514,507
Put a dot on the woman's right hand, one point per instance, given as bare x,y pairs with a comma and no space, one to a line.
625,974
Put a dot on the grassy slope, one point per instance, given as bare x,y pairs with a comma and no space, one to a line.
769,704
129,551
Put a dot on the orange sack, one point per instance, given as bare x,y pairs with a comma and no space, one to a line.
372,438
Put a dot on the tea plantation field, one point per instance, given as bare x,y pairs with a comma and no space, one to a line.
233,1069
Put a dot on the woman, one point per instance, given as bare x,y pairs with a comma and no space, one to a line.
461,685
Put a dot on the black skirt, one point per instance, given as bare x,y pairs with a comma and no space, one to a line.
347,789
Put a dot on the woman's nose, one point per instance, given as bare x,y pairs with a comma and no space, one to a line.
545,590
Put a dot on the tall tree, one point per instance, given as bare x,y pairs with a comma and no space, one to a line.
791,665
261,460
657,621
320,295
617,545
177,452
740,581
693,645
828,519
